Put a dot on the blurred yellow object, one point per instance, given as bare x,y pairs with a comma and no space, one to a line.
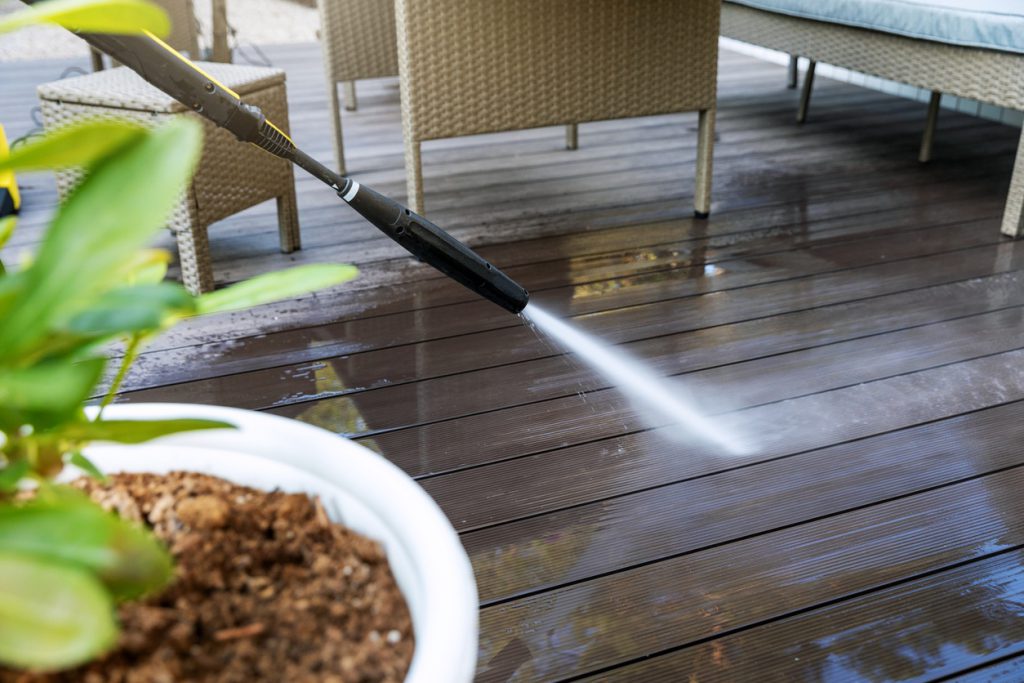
10,200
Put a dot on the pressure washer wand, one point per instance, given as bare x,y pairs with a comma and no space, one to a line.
186,82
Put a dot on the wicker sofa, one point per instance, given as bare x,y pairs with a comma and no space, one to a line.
969,49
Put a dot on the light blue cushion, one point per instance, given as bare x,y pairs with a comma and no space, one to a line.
992,24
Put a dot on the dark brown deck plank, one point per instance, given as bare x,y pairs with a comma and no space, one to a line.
562,257
453,396
546,425
1008,670
594,279
630,470
450,355
915,631
705,596
551,482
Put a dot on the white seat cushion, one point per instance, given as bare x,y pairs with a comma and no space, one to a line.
991,24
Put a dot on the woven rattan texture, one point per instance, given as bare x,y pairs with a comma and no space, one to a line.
986,75
358,39
184,31
231,176
474,67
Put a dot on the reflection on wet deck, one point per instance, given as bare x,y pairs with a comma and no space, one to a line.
853,313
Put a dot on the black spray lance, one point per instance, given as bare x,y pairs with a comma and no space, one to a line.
186,82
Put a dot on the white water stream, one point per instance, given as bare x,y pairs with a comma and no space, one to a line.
650,394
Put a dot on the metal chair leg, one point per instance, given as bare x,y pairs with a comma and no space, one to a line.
925,155
288,221
705,152
792,76
334,111
1013,214
805,94
350,95
572,140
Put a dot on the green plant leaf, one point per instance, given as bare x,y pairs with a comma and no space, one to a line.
275,286
79,144
106,220
55,387
72,530
11,285
6,229
93,16
134,431
88,466
52,616
132,309
12,474
146,267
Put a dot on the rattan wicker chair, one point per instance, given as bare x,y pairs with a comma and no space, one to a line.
992,76
231,177
358,42
471,67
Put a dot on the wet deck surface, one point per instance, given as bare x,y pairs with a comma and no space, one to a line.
856,312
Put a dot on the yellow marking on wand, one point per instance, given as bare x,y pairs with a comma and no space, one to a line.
271,124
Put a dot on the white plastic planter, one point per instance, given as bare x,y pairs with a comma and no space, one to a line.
357,487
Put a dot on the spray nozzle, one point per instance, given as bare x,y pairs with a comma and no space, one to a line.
434,246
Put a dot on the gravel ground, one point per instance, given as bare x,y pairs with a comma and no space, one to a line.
256,22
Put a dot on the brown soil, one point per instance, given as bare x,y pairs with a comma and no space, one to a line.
266,589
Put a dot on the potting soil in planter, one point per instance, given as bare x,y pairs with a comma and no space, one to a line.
266,589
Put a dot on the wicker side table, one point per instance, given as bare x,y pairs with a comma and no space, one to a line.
231,176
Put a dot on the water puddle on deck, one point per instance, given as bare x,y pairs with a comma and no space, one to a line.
662,400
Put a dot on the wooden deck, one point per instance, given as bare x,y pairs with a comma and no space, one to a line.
855,311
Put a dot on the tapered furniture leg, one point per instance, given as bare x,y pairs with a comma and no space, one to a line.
350,95
805,94
572,140
1013,215
925,154
705,151
194,259
334,105
414,176
794,63
288,221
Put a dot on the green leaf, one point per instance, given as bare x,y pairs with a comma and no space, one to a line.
134,431
74,531
132,309
12,474
6,229
79,144
120,207
146,267
11,286
54,387
52,616
88,466
93,16
275,286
